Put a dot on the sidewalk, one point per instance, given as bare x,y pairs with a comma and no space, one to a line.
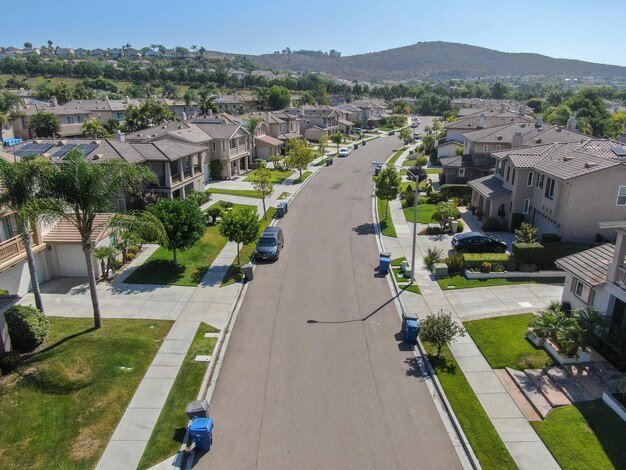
526,448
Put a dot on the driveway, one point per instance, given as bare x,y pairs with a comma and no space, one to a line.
315,375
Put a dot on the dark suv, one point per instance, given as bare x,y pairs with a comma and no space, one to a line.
477,242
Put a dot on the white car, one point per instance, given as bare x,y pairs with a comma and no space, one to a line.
344,152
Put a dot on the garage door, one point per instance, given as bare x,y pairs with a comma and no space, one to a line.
71,261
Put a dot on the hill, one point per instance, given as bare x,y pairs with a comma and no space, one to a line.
438,61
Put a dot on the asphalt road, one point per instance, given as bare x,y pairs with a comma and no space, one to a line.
315,375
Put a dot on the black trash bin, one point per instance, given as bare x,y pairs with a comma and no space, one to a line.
355,146
248,271
197,409
284,206
201,431
329,162
280,211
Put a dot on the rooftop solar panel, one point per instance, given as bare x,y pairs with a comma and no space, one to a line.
36,149
88,148
619,151
63,150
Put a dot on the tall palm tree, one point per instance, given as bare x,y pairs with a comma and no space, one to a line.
252,124
80,190
22,182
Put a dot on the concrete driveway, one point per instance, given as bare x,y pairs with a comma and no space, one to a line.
316,375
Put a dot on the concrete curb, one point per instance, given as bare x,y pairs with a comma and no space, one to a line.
469,453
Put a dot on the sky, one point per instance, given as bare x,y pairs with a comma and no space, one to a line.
573,29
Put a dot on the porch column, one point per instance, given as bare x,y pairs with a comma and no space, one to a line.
181,169
618,256
245,163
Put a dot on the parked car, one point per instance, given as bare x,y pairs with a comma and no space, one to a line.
344,152
477,242
417,136
269,245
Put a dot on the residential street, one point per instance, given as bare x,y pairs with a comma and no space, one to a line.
316,375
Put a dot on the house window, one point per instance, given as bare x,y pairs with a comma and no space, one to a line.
119,116
583,291
213,146
529,181
513,177
498,147
526,207
233,143
621,196
80,119
485,148
549,192
540,181
508,173
70,119
461,172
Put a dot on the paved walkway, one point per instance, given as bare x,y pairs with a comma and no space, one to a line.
525,446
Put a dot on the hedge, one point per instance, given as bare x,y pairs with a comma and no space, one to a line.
476,260
28,327
455,191
544,256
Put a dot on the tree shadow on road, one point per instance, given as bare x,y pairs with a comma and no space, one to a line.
364,229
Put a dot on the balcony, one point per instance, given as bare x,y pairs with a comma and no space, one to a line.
13,248
621,276
176,178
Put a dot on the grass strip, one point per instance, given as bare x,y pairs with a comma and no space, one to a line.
305,175
236,192
276,176
482,436
386,224
461,282
169,431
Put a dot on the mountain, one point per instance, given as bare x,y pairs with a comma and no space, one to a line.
438,61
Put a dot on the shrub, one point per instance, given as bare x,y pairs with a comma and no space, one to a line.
409,196
422,200
492,224
431,231
455,263
498,268
4,292
460,227
516,220
9,361
550,238
213,213
458,191
436,198
433,255
542,256
526,233
476,260
485,267
28,327
421,161
215,169
528,268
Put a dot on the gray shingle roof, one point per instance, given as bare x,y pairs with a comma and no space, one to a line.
489,186
591,266
471,122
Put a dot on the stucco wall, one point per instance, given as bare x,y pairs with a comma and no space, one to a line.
17,278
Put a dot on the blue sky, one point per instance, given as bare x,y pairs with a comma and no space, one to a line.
575,29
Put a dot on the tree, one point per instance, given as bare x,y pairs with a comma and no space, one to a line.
405,135
387,185
45,124
252,124
445,213
169,90
321,145
439,329
80,190
262,95
262,183
535,103
526,233
337,139
183,221
240,225
94,128
300,155
149,114
22,183
104,254
498,90
279,97
50,44
28,45
190,98
206,100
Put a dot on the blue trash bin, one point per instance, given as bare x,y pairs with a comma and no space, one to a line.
363,142
285,204
355,146
201,430
383,264
411,330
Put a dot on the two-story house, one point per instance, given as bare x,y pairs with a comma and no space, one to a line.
316,121
236,103
596,278
561,188
455,130
266,137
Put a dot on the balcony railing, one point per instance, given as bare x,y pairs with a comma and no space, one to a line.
188,173
176,178
621,276
14,247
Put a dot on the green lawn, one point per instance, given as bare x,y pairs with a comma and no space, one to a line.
395,265
169,431
503,342
412,288
235,192
424,213
477,426
461,282
60,409
434,171
278,176
386,129
283,195
235,273
386,224
305,175
408,162
395,156
588,435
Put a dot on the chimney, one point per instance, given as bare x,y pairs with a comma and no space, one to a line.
517,140
54,101
126,100
572,124
119,136
539,121
302,111
268,117
482,122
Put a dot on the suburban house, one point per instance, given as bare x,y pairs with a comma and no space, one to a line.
561,188
370,113
596,278
266,138
316,121
235,103
456,129
477,160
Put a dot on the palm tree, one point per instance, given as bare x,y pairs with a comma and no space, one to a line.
194,47
50,44
206,100
94,128
104,254
22,183
81,190
252,124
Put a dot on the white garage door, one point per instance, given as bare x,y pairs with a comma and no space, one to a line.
71,261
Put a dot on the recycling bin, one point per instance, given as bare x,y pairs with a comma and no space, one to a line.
385,254
355,146
284,205
383,264
411,331
280,211
201,431
329,162
197,409
248,271
408,316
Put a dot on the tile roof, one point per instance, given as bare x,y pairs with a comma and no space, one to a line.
531,134
65,232
471,122
591,266
268,139
489,186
